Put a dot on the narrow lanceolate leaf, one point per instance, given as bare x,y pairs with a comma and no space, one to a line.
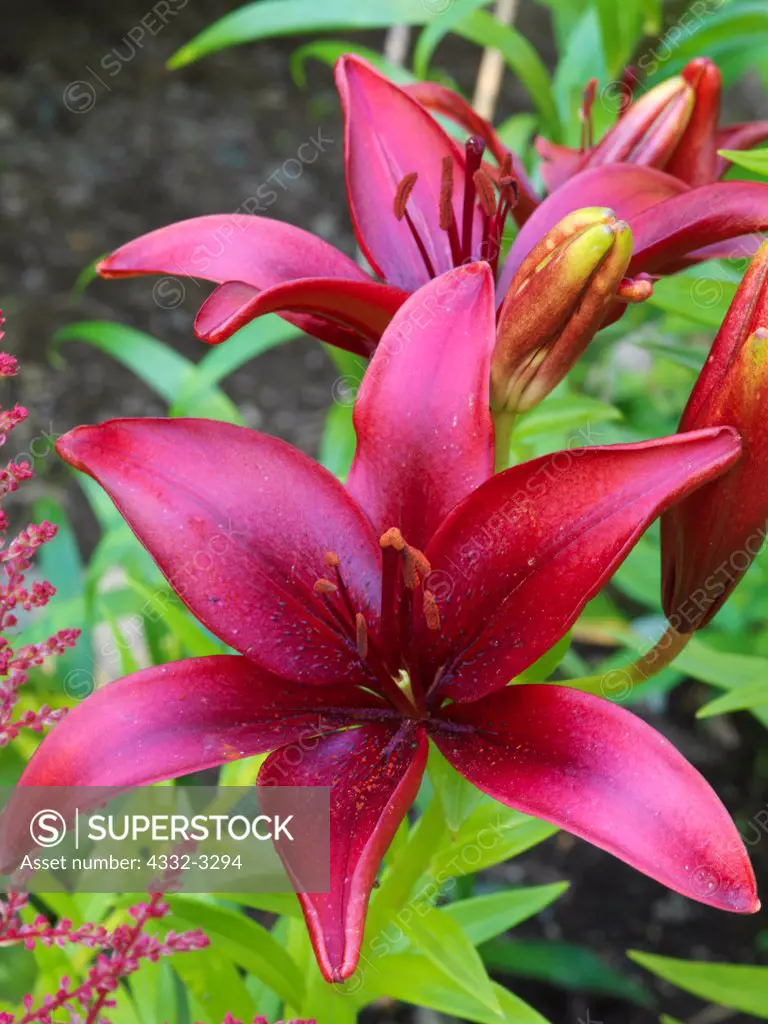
166,372
595,769
201,497
738,986
755,160
524,553
436,29
266,19
562,965
424,431
490,835
413,978
246,942
751,695
440,937
525,63
484,917
374,773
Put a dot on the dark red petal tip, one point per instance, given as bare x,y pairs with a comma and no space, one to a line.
593,768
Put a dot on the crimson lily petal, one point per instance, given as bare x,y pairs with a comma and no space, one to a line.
374,772
365,307
598,771
170,720
741,247
425,435
627,189
204,713
669,232
239,523
238,247
521,557
388,135
231,247
442,100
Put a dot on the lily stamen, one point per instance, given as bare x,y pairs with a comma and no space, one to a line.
447,215
431,611
324,586
475,147
486,195
361,635
404,190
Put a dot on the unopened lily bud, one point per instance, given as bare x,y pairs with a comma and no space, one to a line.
711,538
557,301
650,128
695,157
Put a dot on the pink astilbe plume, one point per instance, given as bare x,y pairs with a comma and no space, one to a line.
120,953
16,559
229,1019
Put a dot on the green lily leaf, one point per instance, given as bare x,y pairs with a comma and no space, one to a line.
741,987
484,917
267,19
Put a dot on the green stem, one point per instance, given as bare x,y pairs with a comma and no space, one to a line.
617,683
504,423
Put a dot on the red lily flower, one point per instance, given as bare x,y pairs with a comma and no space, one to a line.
710,540
420,204
673,127
424,568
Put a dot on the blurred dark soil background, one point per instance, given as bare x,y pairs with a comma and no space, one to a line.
89,160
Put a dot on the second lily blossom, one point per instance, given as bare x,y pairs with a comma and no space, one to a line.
672,127
420,205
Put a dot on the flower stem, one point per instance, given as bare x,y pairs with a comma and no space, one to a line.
617,683
503,423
